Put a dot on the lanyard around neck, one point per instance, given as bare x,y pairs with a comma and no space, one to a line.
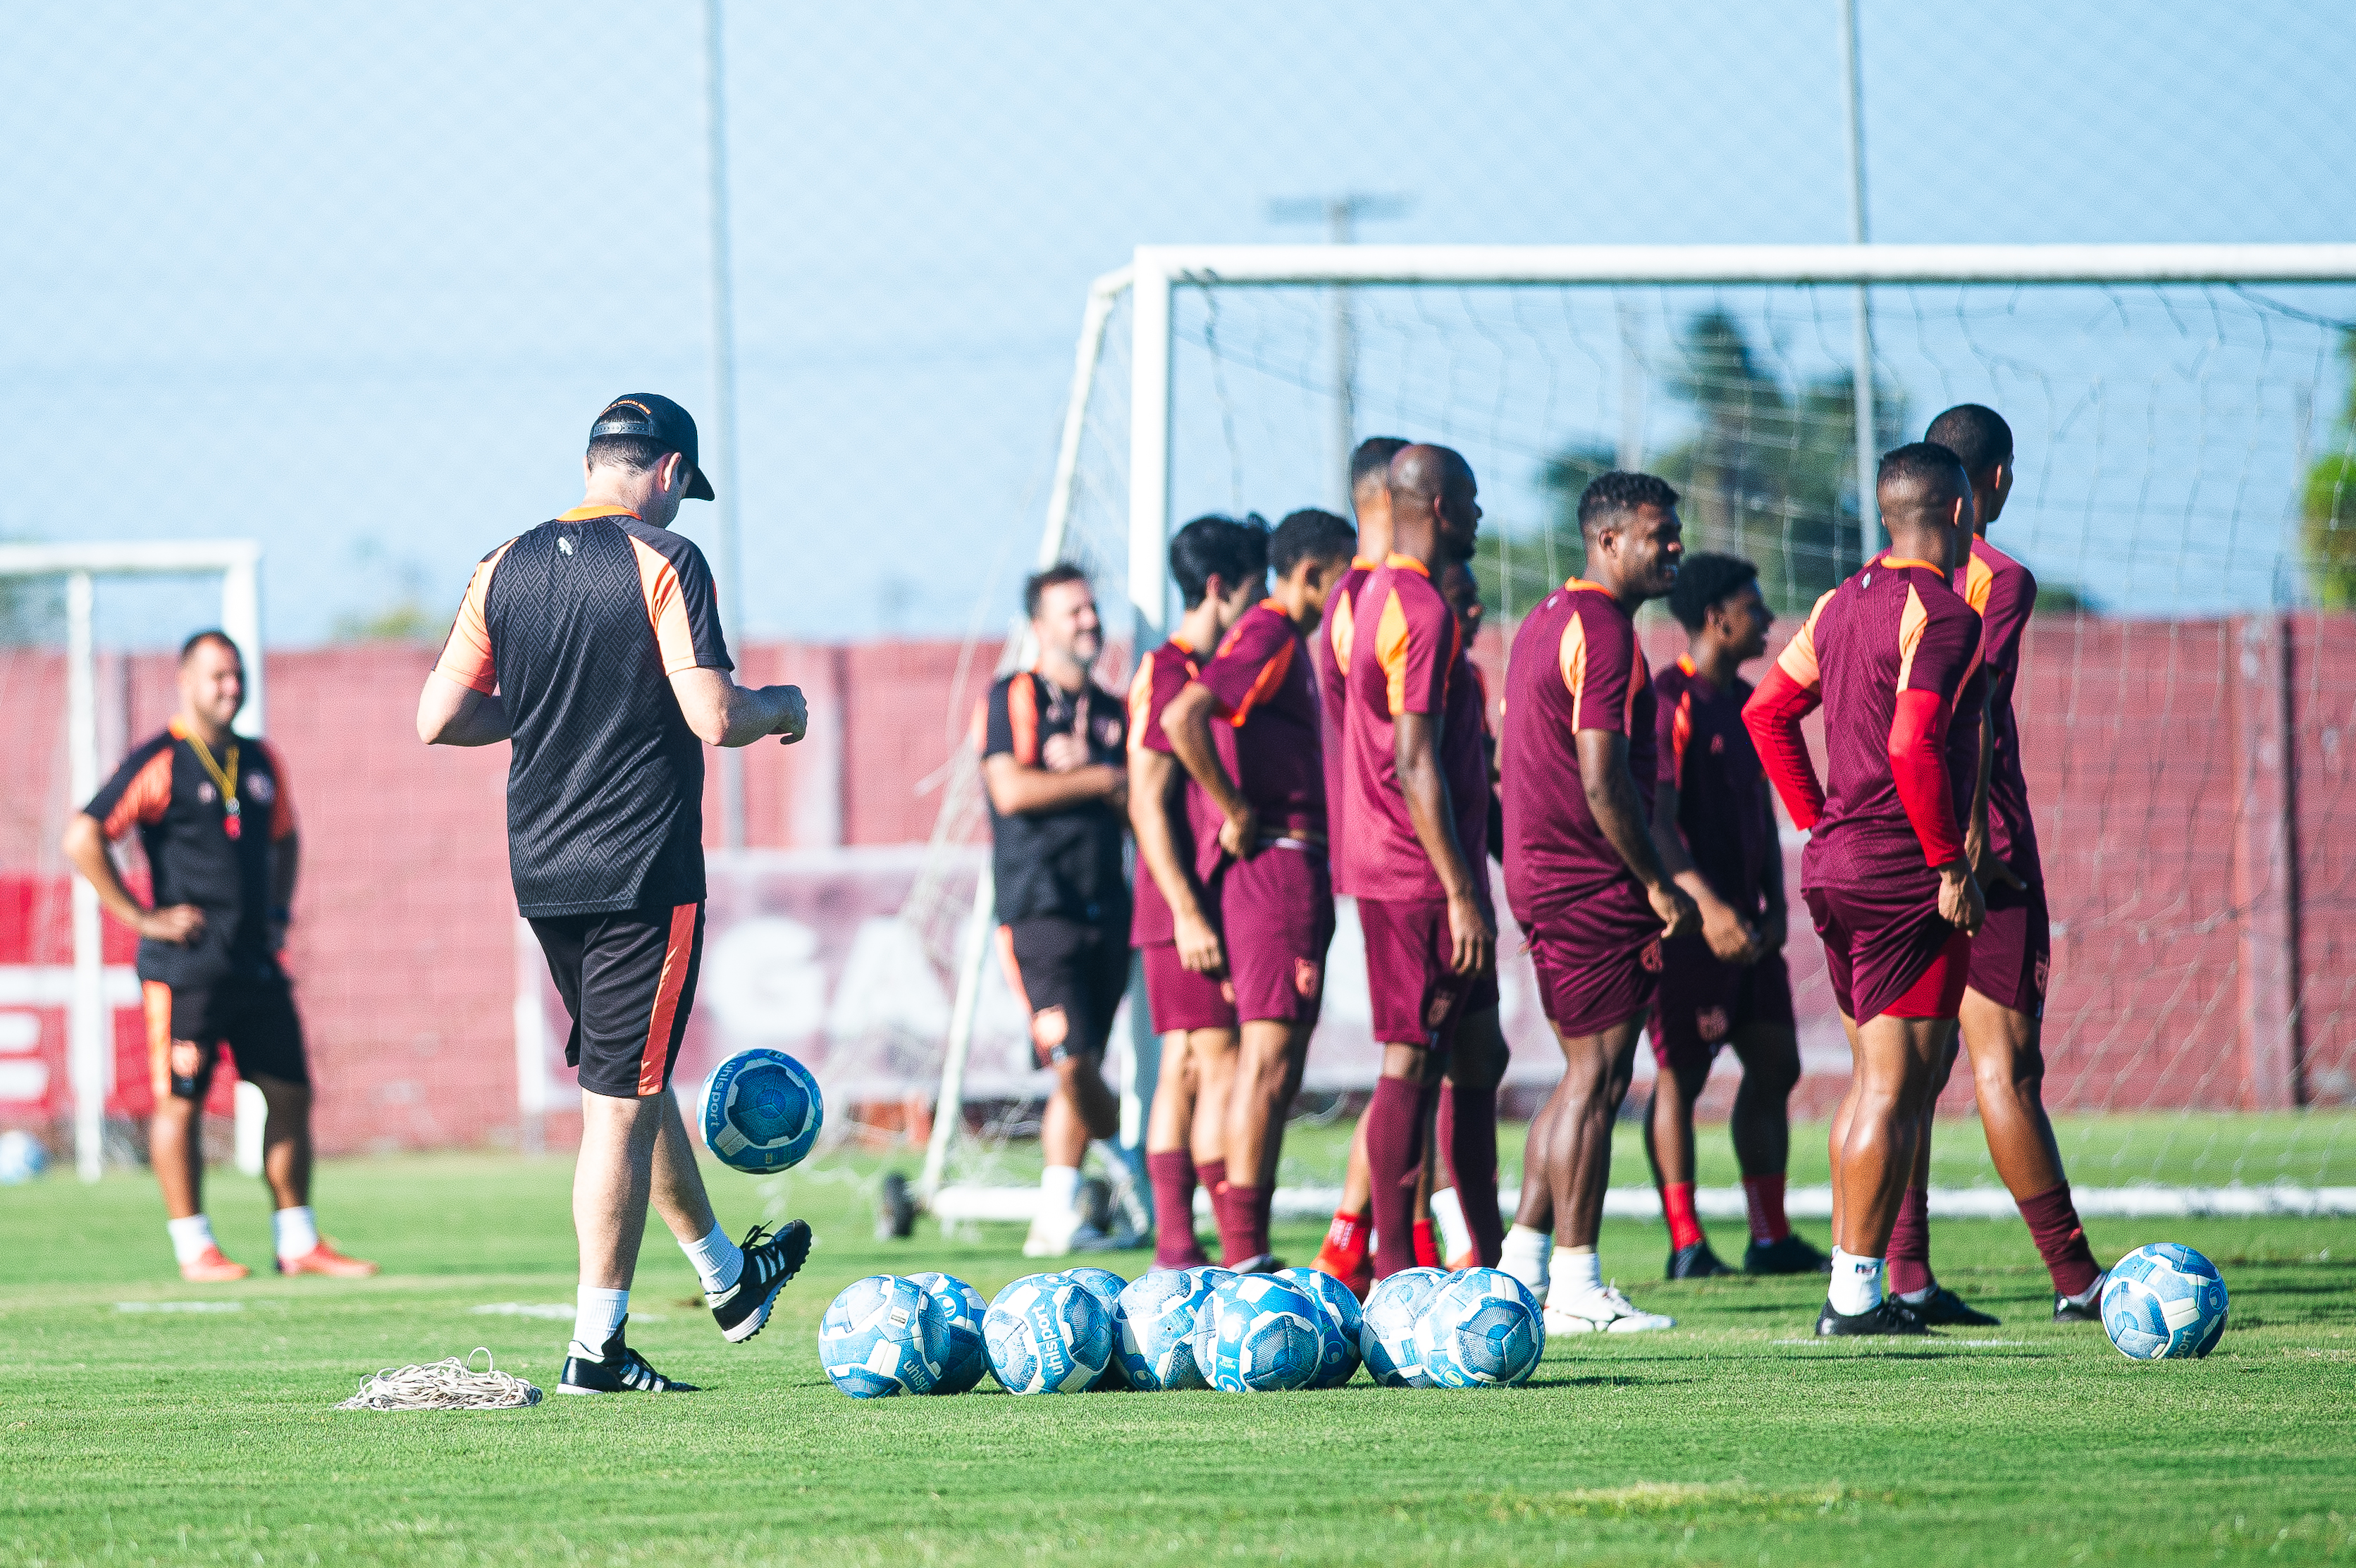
224,777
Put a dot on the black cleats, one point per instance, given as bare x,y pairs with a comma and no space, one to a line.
895,1208
617,1370
2087,1309
1696,1262
769,1261
1892,1316
1944,1308
1790,1255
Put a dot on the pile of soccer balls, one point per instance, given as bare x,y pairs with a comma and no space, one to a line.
1086,1328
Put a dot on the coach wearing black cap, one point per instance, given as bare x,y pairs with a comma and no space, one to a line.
593,643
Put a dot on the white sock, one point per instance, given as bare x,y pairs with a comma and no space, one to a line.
598,1314
1917,1297
1575,1269
190,1237
718,1261
1856,1283
294,1231
1059,1189
1526,1257
1448,1211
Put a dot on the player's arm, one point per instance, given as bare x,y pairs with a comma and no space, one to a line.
1187,724
1016,786
1775,925
1415,750
1157,793
449,714
1794,689
85,849
1917,750
723,714
1619,810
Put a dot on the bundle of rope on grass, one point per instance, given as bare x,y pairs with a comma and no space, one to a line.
452,1384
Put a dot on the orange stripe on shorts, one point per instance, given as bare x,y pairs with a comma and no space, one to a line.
656,1056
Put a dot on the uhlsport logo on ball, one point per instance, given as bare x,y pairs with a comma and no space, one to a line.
1047,1333
761,1111
1106,1286
1266,1335
2164,1302
1338,1354
1482,1328
1157,1329
1386,1334
883,1335
965,1362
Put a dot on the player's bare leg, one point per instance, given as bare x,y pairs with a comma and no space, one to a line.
1837,1134
1081,1108
1467,1136
1597,1070
1762,1130
175,1150
2008,1081
1267,1073
613,1180
1897,1064
1909,1263
286,1167
741,1278
1172,1153
1669,1146
1529,1244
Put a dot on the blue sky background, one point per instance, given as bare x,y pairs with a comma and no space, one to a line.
352,281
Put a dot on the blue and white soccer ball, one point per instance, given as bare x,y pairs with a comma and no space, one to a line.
1482,1328
1266,1335
1338,1355
2164,1302
1106,1286
1047,1333
22,1156
883,1335
1157,1329
962,1308
760,1111
1386,1330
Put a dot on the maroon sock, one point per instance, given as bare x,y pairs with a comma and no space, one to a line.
1394,1161
2061,1240
1909,1244
1469,1139
1263,1215
1241,1233
1213,1174
1172,1174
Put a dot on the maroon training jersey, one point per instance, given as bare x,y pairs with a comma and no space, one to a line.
1404,645
1333,650
2005,594
1722,806
1261,682
1162,675
1576,666
1464,763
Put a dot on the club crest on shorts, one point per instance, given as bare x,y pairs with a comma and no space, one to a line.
1308,976
1712,1023
2044,968
1651,956
1437,1014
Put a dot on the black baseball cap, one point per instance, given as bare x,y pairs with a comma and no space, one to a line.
657,418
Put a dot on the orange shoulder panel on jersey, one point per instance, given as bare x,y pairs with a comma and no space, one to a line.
1022,717
1680,732
281,799
1911,622
1798,658
467,656
1340,622
1390,652
666,603
1978,578
149,794
1272,675
1570,657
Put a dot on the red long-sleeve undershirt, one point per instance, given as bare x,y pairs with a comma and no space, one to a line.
1918,743
1773,716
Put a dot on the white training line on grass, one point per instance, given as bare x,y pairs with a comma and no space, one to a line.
187,1307
555,1311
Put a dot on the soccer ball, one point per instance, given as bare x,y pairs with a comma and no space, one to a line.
1106,1286
1481,1329
2163,1302
22,1157
1338,1354
1157,1329
962,1307
1386,1330
883,1335
761,1111
1266,1335
1046,1333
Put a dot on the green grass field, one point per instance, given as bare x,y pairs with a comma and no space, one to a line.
131,1434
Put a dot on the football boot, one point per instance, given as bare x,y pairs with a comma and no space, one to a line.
743,1308
1891,1317
1696,1262
617,1370
1792,1254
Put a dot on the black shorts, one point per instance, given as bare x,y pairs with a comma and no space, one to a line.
629,979
1069,977
253,1015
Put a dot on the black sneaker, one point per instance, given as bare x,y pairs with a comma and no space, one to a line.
1261,1262
1792,1254
1892,1316
769,1261
2086,1309
617,1370
1942,1307
1696,1262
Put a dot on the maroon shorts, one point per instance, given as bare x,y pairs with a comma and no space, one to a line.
2012,956
1276,919
1180,998
1890,952
1706,1002
1416,996
1598,961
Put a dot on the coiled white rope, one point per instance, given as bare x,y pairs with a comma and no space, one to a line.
453,1384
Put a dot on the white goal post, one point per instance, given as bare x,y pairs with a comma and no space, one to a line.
89,1032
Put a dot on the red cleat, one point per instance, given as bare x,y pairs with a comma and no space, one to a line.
213,1267
1358,1275
325,1259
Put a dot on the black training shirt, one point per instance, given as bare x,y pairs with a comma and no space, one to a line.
1065,863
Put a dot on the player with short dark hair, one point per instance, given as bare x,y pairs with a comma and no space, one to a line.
1221,569
1585,881
1054,767
593,643
223,885
1246,731
1714,825
2004,1000
1891,656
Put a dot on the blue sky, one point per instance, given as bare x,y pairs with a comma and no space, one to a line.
352,281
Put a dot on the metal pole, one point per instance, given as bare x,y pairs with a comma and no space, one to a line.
1149,453
948,1112
87,1040
1868,510
1338,216
242,619
724,397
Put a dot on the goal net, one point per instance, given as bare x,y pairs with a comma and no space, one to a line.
2186,495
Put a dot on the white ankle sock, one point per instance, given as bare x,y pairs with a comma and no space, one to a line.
1059,1189
1856,1283
294,1230
1526,1257
1575,1269
718,1261
1448,1213
190,1237
597,1313
1917,1297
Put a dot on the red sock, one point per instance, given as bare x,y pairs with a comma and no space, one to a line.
1394,1160
1345,1241
1685,1225
1171,1172
1243,1233
1468,1138
1909,1244
1765,1196
2061,1241
1427,1245
1213,1174
1232,1232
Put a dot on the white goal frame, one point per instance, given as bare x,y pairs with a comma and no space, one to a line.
89,1032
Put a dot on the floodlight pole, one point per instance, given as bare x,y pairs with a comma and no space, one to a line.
1340,214
723,399
1869,508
